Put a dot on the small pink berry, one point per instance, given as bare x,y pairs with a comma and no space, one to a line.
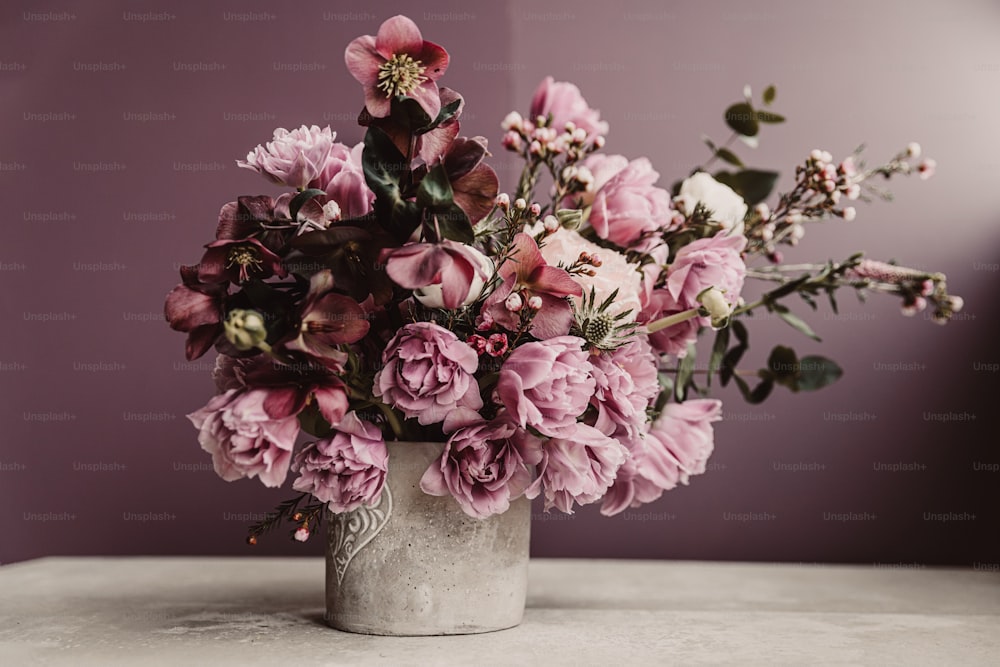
535,303
302,534
535,209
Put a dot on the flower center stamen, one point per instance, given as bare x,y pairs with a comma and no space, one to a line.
243,257
400,75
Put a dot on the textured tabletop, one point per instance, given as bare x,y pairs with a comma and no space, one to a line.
194,611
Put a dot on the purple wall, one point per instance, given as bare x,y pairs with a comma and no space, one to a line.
120,126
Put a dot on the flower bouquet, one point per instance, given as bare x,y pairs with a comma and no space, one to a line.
487,348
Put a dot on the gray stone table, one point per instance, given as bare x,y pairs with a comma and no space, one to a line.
221,611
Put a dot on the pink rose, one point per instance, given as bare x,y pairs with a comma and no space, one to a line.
680,441
709,262
596,170
427,373
346,470
343,179
629,210
547,384
564,101
243,439
484,467
577,468
292,158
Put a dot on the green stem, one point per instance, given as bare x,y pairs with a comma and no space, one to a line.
671,320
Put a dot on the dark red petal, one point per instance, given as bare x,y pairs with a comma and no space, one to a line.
186,309
200,339
282,402
476,192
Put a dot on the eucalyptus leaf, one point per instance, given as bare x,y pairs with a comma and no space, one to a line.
752,184
742,119
728,156
816,372
797,323
768,117
769,94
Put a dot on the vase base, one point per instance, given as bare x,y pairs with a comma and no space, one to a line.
407,630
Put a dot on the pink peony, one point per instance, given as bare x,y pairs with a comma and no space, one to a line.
709,262
578,467
243,439
427,373
343,179
629,210
674,339
346,470
680,441
626,384
397,61
564,101
614,273
484,466
596,170
547,384
292,158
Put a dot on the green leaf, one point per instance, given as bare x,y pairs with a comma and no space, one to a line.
751,184
300,199
816,372
728,156
768,117
447,112
732,358
453,223
684,373
795,321
708,142
761,391
435,189
742,119
387,175
718,351
769,94
783,365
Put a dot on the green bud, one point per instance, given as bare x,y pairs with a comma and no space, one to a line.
570,218
245,329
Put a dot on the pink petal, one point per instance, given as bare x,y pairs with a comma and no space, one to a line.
433,482
332,403
398,35
555,281
186,309
525,256
476,192
554,319
200,339
427,95
363,60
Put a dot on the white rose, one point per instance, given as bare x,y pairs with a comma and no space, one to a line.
432,296
728,208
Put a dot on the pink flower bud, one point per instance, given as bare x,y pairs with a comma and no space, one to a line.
913,149
551,224
599,141
825,156
848,168
302,534
535,209
762,211
535,148
853,191
514,303
927,168
911,308
512,121
579,135
849,213
829,186
512,141
829,171
535,303
595,260
520,204
503,200
816,154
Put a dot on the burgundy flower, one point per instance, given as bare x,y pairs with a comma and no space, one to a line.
291,388
238,261
454,268
578,467
398,61
329,320
196,308
244,439
346,470
484,466
525,272
474,184
428,373
546,384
